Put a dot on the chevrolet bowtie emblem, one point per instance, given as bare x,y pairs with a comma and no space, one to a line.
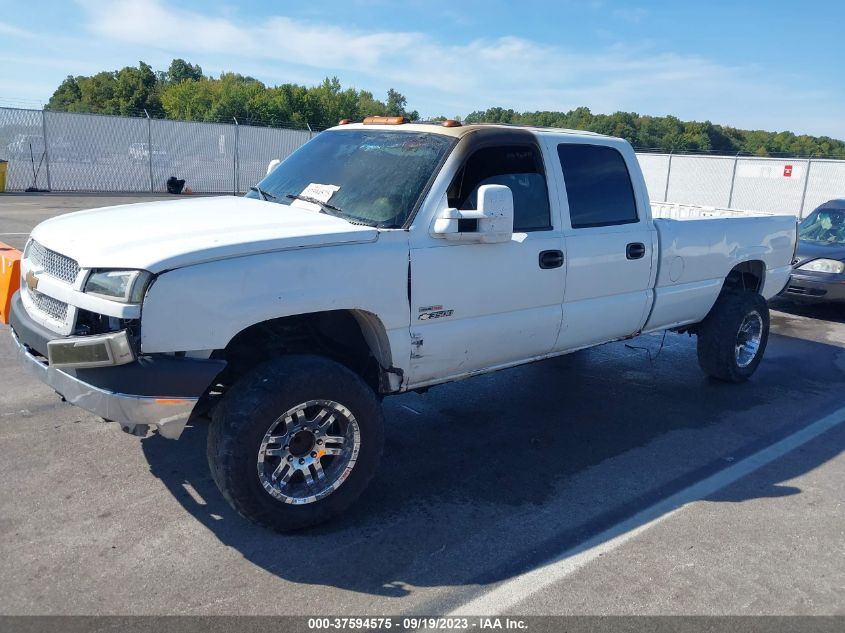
31,281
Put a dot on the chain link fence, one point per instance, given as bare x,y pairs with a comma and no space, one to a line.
22,144
789,186
704,180
64,151
656,171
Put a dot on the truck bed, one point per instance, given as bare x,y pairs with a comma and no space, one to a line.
698,247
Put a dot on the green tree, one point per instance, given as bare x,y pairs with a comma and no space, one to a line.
129,90
232,94
188,100
98,93
180,71
396,105
67,96
135,90
369,105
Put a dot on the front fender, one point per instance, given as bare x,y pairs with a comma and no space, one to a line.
202,307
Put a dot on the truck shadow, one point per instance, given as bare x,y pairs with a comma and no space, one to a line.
484,479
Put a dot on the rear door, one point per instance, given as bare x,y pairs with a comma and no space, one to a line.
610,244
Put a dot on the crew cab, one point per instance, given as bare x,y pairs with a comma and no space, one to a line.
380,257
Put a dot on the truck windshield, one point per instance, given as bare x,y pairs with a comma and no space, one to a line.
374,177
827,226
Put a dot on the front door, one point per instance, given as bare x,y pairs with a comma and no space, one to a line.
477,306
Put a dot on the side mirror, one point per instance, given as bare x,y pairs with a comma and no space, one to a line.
273,164
492,222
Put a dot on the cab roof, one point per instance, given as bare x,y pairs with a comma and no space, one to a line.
459,131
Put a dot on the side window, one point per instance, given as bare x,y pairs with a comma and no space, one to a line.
520,167
598,186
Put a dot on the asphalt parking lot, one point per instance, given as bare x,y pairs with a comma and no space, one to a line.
616,480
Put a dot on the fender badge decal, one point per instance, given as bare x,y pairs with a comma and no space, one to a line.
438,314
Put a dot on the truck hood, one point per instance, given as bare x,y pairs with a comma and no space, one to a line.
158,236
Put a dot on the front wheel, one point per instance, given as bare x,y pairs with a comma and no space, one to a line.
733,336
295,442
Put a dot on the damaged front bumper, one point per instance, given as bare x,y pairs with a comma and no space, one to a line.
156,390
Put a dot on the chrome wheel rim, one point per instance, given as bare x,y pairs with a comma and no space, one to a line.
309,451
748,339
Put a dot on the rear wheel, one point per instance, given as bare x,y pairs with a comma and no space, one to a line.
733,336
295,442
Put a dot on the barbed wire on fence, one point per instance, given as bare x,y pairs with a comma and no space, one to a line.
28,104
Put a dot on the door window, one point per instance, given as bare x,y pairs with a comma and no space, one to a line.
520,168
598,186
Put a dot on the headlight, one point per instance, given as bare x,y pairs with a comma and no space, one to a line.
126,286
824,266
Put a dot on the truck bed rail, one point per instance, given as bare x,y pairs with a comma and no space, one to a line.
677,211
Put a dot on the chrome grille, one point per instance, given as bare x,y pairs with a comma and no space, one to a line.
53,308
52,263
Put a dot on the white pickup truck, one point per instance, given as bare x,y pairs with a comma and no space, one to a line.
379,258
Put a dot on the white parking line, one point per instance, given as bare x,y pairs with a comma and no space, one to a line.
509,593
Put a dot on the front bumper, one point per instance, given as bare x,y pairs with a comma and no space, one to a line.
815,289
159,391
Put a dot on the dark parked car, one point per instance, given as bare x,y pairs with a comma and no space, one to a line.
819,266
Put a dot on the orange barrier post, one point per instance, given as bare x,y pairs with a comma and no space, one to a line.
10,278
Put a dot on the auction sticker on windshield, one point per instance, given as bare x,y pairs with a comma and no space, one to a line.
315,191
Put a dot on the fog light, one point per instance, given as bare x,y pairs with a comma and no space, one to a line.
91,351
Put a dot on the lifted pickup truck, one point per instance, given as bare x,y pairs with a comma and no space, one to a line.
379,258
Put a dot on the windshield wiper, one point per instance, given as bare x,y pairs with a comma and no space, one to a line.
264,195
323,205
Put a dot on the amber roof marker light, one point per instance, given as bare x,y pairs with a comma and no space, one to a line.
451,123
385,120
344,122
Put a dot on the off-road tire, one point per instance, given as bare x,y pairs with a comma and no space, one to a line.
248,410
718,335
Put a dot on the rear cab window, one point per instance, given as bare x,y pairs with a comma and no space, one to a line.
598,186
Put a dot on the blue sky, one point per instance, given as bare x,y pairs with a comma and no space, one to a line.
761,65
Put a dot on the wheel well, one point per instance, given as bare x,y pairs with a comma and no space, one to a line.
746,276
353,338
